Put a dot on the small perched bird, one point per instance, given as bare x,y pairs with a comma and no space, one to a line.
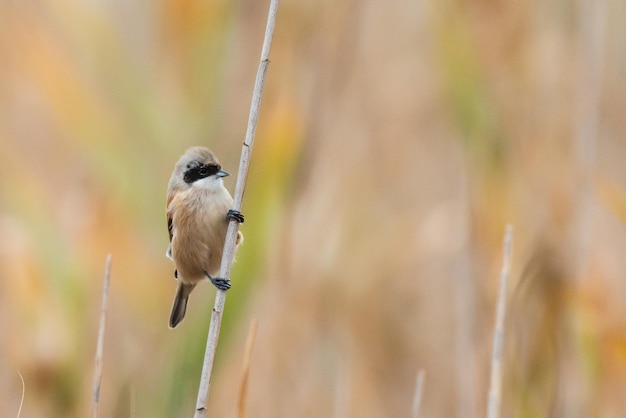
199,209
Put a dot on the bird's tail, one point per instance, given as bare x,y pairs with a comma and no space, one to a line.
180,303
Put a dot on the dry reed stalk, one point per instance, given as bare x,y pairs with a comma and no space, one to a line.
19,411
495,384
586,124
465,313
417,397
341,392
99,348
229,245
245,373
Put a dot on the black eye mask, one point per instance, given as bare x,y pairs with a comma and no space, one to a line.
197,171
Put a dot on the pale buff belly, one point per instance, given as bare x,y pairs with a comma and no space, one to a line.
198,242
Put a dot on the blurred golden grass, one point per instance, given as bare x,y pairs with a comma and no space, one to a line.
394,145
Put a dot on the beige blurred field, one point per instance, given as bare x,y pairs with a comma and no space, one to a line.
396,141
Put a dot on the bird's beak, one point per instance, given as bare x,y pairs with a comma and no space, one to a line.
222,173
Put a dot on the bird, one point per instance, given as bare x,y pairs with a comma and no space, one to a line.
199,209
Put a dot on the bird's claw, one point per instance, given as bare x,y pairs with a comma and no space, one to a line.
235,215
219,282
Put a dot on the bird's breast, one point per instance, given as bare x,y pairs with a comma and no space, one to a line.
200,224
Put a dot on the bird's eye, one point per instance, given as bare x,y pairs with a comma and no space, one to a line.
203,170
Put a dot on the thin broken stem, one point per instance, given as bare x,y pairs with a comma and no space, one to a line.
495,385
99,348
229,245
417,396
245,373
19,411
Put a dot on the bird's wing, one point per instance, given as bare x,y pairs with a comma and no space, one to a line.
168,212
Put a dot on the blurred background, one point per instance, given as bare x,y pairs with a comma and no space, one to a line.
395,144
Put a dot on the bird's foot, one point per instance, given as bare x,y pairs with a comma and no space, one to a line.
219,282
235,215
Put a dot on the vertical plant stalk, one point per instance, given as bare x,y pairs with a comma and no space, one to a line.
417,396
465,313
231,235
342,389
97,379
495,384
245,372
586,125
19,411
